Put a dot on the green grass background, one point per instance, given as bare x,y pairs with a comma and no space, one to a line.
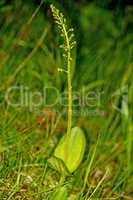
103,62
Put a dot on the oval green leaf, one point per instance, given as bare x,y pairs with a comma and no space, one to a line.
71,149
60,194
58,165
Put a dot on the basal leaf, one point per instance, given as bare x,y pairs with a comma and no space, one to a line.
71,149
58,165
60,194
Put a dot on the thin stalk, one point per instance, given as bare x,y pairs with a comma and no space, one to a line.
68,44
69,95
69,83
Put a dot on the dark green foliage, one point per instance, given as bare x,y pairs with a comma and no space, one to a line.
30,56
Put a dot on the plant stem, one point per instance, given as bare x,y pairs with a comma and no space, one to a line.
67,35
69,83
69,95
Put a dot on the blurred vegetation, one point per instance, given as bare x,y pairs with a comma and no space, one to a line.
103,62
